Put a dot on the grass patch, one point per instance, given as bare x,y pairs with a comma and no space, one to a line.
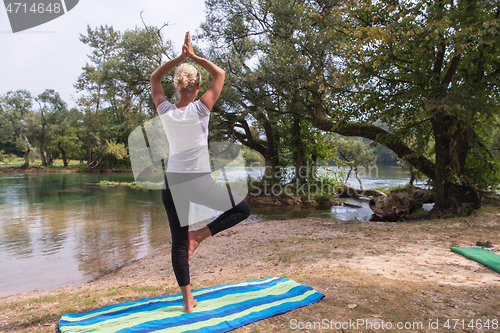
19,161
145,186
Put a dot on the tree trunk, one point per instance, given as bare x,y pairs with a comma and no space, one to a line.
27,157
266,147
49,158
28,150
64,158
272,167
348,174
413,174
359,179
63,153
299,152
314,167
90,147
42,153
92,129
42,138
455,194
271,158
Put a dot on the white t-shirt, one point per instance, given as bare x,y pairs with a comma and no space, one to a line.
187,133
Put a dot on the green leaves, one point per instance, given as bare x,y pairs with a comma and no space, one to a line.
427,71
15,106
117,150
116,86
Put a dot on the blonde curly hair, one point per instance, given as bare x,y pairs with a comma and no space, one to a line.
186,77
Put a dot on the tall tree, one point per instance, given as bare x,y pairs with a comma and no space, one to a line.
15,108
68,132
246,103
104,43
427,69
426,65
115,84
252,96
44,122
357,154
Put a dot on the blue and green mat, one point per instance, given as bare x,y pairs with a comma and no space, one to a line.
220,309
485,257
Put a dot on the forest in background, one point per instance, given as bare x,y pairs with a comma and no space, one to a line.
417,77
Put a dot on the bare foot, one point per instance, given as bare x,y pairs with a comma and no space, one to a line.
188,299
195,237
188,307
193,243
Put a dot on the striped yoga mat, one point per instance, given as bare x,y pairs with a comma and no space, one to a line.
220,309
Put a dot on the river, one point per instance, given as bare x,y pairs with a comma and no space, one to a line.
59,229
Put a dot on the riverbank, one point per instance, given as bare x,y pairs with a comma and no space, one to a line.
60,169
376,271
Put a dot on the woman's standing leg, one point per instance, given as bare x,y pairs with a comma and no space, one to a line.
180,244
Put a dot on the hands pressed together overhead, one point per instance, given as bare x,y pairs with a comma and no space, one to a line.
214,89
187,48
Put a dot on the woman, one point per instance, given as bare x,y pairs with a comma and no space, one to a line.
188,171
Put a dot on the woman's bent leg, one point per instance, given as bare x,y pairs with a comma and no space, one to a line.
224,221
195,238
210,194
201,189
230,218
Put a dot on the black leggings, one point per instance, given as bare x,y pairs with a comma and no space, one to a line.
203,190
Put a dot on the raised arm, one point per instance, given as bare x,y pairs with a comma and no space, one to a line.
156,88
218,75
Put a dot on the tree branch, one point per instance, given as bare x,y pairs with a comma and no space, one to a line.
438,64
158,32
451,71
381,136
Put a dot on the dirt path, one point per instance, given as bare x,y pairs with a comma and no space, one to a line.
374,273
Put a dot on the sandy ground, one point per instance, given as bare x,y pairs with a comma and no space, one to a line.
263,247
373,271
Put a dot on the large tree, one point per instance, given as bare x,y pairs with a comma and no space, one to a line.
245,110
15,108
256,95
68,134
44,124
115,84
427,69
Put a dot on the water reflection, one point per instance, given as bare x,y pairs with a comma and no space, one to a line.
55,230
117,228
342,212
16,238
52,235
